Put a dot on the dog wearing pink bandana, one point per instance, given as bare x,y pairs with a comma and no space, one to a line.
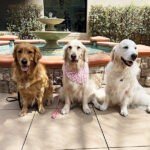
77,87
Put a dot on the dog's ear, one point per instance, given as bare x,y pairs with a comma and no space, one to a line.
15,53
65,52
37,54
85,53
113,54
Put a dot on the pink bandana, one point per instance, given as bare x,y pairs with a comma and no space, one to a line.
78,77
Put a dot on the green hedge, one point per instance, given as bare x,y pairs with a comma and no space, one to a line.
23,19
119,23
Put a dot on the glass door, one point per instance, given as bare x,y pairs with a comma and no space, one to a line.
73,11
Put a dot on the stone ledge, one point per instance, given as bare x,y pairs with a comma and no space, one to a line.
63,41
107,44
4,42
143,50
99,38
98,59
29,41
9,37
86,42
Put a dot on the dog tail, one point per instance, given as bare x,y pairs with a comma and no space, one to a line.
142,98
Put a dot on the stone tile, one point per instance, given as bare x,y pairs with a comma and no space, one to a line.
13,129
14,105
54,104
131,148
75,130
8,105
119,131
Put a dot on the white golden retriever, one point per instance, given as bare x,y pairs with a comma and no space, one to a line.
76,84
122,86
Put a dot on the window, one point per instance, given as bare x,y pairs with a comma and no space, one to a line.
73,11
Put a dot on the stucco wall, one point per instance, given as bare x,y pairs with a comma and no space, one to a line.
39,3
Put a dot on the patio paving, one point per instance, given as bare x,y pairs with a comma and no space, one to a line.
74,131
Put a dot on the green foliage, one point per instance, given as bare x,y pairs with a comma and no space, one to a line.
23,19
119,23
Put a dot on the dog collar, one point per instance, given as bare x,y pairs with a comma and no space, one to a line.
78,77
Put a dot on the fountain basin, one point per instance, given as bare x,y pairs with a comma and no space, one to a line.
51,22
51,38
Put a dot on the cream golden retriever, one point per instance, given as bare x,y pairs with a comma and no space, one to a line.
32,81
77,87
122,86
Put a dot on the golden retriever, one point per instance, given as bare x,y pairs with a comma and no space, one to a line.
32,81
77,87
122,86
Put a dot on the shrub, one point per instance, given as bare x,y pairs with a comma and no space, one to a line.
119,23
23,19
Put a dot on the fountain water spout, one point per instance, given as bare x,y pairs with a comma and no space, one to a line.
50,15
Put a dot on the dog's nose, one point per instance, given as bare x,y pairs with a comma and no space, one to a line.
73,56
134,56
24,61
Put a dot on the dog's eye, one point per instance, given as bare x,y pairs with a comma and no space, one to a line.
78,47
29,52
20,51
125,47
70,47
135,47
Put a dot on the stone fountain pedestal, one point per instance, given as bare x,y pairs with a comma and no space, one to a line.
51,36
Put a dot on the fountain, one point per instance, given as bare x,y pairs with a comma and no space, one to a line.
51,36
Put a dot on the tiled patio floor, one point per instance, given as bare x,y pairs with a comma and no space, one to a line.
76,130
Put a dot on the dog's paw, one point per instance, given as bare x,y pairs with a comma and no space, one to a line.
65,109
22,113
103,107
124,112
86,109
41,110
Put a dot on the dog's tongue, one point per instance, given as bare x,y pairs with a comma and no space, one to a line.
130,63
24,69
74,61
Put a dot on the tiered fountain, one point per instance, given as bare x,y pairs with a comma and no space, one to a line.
51,36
